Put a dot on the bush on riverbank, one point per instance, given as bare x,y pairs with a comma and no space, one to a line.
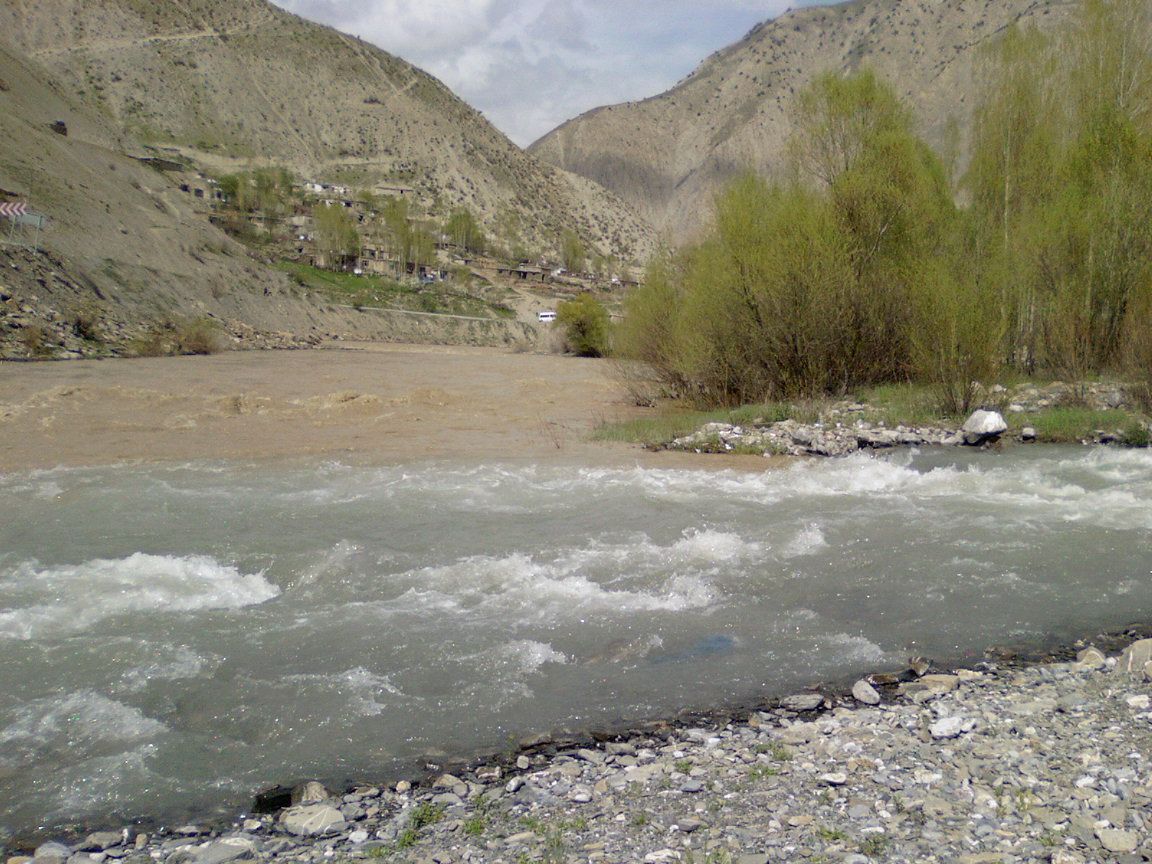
855,268
586,326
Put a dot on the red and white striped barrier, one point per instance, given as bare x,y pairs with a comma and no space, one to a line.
12,210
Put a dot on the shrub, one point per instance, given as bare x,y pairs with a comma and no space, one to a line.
199,336
806,287
192,336
586,325
35,340
86,325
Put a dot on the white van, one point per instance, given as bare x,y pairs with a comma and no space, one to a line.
545,317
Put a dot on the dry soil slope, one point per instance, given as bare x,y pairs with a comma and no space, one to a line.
237,80
668,155
124,248
119,235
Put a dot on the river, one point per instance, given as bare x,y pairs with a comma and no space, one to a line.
174,638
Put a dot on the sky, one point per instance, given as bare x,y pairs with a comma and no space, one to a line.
529,65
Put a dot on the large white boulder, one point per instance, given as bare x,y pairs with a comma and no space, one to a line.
983,426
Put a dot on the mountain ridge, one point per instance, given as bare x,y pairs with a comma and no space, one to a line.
733,112
231,85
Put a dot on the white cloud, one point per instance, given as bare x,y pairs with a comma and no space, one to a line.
529,65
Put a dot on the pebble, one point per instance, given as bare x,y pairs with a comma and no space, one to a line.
1115,840
947,727
312,819
864,692
802,702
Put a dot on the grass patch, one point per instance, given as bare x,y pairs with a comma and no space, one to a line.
904,405
831,835
379,292
1068,425
760,772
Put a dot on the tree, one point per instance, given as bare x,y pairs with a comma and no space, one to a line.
1061,180
335,235
572,251
464,231
586,325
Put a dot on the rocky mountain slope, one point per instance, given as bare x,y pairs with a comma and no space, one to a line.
123,252
667,156
241,82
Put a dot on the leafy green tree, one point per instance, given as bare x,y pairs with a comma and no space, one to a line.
572,251
586,326
1061,179
335,234
464,231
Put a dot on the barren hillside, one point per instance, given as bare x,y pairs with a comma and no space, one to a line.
123,251
668,155
242,82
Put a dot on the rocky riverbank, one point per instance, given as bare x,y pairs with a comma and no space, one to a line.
1047,763
844,427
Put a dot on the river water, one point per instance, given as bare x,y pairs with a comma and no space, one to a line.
175,638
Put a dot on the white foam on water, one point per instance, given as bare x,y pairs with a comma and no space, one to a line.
808,541
519,584
69,599
529,655
715,547
618,578
77,725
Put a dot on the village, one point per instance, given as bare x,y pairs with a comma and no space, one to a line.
359,238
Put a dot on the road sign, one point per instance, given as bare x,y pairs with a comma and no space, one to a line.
13,209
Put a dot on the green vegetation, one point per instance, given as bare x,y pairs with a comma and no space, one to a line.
856,269
677,421
874,845
421,817
586,326
760,772
831,835
378,292
266,191
413,245
34,337
465,232
572,252
1066,425
337,240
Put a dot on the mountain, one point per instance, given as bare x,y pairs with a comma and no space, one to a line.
667,156
234,83
124,253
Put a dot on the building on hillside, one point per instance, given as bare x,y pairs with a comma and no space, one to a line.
377,261
201,188
524,272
